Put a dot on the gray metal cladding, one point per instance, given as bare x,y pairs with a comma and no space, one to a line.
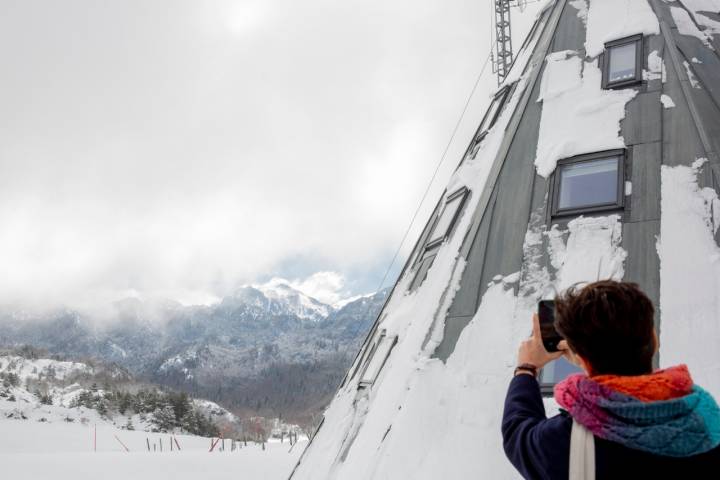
653,136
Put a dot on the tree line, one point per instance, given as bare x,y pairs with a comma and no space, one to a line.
166,411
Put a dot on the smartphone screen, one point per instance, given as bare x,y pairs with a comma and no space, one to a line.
550,336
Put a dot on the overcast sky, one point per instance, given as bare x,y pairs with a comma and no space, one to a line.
184,148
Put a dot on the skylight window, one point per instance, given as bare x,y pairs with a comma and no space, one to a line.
491,116
378,356
447,217
589,183
622,62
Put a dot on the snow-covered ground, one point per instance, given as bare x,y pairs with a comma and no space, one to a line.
62,441
30,450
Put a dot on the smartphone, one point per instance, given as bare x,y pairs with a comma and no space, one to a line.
550,336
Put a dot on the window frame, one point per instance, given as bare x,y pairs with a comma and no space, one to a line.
364,383
499,99
619,202
430,243
360,361
547,389
639,62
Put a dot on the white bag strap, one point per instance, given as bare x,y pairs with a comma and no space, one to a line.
582,453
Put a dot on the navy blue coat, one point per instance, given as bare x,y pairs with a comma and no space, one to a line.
539,447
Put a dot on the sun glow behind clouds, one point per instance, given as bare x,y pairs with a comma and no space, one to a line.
246,17
180,149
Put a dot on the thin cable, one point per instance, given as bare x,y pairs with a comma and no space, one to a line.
417,210
447,147
437,169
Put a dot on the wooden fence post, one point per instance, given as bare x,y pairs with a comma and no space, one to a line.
121,443
214,444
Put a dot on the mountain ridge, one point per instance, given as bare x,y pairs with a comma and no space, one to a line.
272,351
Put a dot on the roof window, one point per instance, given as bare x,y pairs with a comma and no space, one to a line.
491,116
376,359
622,62
446,219
589,183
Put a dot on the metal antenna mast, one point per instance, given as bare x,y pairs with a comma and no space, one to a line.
503,55
503,40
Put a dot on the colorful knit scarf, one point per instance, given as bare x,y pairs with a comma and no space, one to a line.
662,413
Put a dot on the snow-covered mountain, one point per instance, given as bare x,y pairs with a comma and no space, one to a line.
280,297
268,349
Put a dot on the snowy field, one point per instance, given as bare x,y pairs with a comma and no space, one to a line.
31,450
60,441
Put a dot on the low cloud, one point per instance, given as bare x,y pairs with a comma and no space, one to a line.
327,287
181,152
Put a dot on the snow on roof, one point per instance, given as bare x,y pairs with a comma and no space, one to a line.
686,25
697,7
613,19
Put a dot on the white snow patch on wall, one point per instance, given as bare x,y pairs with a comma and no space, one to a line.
562,73
588,250
512,278
578,116
628,188
667,101
691,76
591,252
535,276
689,277
613,19
656,67
582,8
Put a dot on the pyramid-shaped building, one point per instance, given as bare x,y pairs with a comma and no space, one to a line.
599,157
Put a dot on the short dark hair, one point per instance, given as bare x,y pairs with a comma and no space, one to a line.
610,324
